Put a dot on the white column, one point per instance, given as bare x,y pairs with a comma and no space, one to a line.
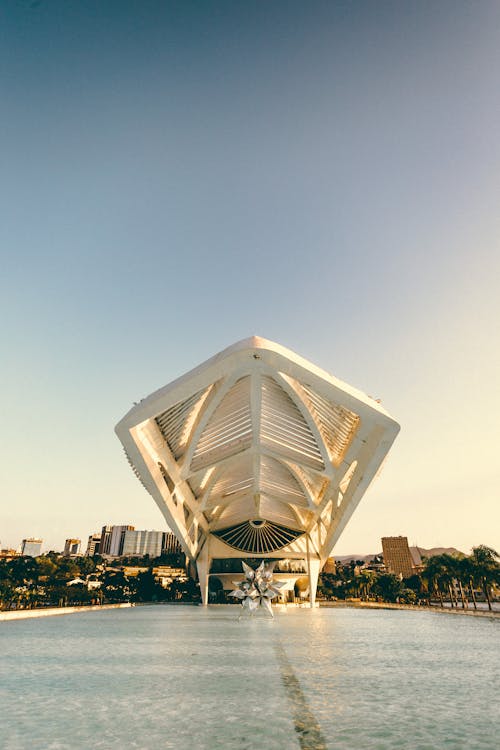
313,572
203,567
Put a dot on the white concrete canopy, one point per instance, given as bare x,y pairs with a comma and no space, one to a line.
257,452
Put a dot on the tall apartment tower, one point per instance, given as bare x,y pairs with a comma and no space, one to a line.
71,547
93,545
171,544
31,547
397,556
105,543
139,543
152,543
117,540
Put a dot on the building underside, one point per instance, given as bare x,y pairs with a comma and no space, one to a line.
257,454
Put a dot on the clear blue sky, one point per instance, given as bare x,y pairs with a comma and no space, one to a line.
177,176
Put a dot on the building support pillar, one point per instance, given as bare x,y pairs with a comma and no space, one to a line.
313,573
203,567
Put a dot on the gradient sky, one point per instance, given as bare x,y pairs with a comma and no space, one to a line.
177,176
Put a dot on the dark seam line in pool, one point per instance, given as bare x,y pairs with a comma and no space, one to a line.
305,723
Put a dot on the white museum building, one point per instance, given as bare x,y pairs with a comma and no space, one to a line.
257,454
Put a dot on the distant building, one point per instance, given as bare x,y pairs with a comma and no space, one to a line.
140,543
397,556
165,575
111,540
93,545
126,541
105,543
416,556
71,547
8,554
31,547
152,543
117,540
171,544
376,564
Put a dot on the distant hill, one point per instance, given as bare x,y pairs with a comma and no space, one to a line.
436,551
348,558
415,552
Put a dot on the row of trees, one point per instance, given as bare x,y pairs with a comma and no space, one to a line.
478,571
43,581
442,576
27,582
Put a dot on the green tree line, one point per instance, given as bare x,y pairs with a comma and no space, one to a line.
441,578
28,582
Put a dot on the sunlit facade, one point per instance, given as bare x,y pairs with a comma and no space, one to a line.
257,453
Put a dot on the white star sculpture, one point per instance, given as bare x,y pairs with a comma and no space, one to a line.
258,589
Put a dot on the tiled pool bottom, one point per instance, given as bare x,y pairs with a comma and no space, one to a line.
187,677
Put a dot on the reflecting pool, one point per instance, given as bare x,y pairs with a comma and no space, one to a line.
186,677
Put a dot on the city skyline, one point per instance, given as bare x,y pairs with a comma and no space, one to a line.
324,176
95,536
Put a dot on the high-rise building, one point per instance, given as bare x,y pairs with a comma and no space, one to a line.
71,547
171,544
105,543
31,547
152,543
139,543
397,556
112,537
93,545
117,539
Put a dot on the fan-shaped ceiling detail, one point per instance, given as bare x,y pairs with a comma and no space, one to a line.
258,536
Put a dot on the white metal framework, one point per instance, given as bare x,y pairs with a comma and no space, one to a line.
257,452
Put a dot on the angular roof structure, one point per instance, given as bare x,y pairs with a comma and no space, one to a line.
257,452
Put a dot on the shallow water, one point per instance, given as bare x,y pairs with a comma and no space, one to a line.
186,677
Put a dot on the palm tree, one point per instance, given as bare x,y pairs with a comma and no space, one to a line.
487,569
467,575
366,579
434,575
451,574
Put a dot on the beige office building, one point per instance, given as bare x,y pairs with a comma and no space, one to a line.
397,556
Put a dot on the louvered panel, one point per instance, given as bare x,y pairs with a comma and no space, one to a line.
336,424
236,510
274,510
284,429
276,479
230,428
314,482
236,478
176,422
